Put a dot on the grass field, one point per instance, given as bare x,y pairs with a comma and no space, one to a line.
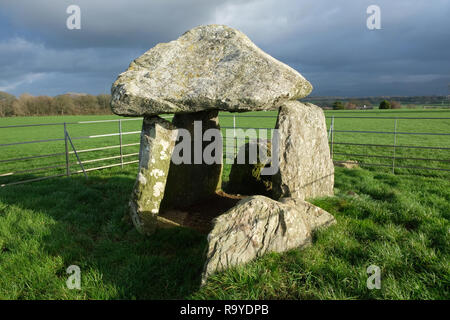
397,222
404,157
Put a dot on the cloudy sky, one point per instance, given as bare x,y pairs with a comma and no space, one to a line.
326,40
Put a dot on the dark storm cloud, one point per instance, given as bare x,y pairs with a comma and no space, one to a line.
327,41
105,23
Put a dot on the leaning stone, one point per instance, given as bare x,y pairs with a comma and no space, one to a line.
316,217
305,166
190,183
255,226
208,67
245,178
157,142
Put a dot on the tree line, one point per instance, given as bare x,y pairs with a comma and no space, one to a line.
66,104
350,105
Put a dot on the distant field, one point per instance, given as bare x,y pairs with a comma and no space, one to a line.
375,122
421,124
33,133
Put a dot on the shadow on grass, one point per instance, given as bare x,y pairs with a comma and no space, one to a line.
85,226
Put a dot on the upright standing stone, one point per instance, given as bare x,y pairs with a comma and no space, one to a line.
306,169
157,142
193,182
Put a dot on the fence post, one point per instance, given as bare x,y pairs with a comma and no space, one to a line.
76,154
234,136
395,143
120,143
332,137
67,150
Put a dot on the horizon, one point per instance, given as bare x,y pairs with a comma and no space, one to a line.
307,97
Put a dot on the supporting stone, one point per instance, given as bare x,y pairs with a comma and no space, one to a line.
157,142
305,166
190,183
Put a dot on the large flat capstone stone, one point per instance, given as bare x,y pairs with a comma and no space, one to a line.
305,166
208,67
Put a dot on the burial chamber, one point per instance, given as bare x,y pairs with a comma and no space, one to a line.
210,69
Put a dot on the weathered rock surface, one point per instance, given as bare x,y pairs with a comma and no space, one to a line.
305,166
190,183
208,67
315,217
157,142
245,178
255,226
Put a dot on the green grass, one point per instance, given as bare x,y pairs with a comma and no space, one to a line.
397,222
363,154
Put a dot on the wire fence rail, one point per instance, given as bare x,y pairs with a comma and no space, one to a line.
341,151
69,166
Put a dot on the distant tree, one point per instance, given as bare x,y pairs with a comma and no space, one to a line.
385,104
6,102
3,108
350,106
356,102
103,101
65,104
338,105
6,97
395,104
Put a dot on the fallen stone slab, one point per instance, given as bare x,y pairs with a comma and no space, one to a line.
255,226
315,217
209,67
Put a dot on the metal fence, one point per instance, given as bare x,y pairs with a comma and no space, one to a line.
398,152
69,149
342,149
